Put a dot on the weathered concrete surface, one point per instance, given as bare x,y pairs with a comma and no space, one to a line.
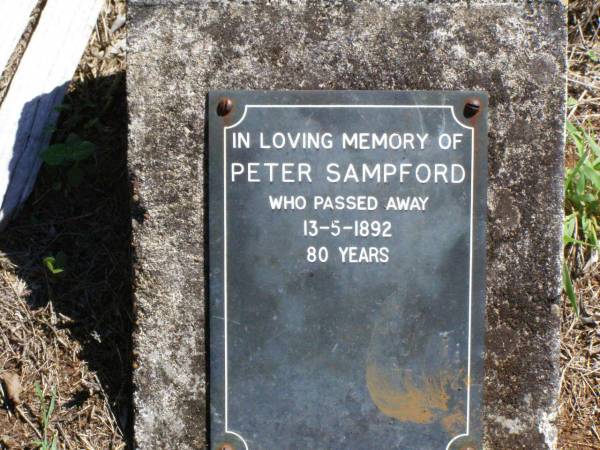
514,51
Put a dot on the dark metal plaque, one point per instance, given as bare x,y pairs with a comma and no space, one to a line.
347,269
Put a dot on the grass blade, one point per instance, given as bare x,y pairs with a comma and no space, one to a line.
568,287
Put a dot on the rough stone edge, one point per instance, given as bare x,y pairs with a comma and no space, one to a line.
391,3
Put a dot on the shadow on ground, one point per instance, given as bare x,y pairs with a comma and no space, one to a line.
89,222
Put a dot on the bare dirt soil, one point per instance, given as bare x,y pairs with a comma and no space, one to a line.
70,333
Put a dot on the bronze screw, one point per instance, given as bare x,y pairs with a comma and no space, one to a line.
226,447
224,107
472,107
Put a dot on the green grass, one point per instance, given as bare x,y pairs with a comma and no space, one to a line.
582,203
46,411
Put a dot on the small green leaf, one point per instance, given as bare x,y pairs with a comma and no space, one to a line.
571,102
568,287
72,150
573,131
83,150
51,407
591,175
55,155
592,143
38,391
568,240
570,226
587,198
53,265
580,184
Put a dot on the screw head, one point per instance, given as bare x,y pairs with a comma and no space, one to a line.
224,107
472,107
225,446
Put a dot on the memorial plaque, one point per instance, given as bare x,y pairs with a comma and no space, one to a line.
347,269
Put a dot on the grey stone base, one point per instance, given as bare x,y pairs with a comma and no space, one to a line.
512,50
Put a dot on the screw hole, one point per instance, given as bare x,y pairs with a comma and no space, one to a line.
224,107
472,107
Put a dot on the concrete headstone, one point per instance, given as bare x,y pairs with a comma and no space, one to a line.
179,51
